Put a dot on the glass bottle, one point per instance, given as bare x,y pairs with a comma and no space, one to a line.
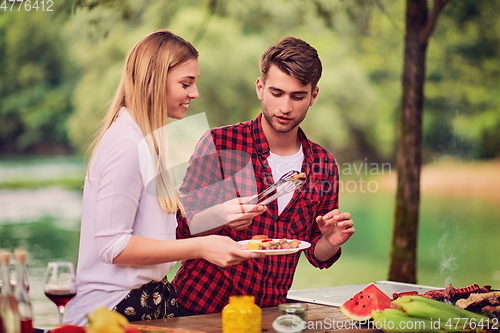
1,317
1,312
21,292
241,315
8,304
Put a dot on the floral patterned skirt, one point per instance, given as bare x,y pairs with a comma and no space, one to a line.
154,300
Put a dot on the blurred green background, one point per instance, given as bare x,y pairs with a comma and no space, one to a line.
59,69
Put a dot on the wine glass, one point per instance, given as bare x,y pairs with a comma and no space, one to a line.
60,285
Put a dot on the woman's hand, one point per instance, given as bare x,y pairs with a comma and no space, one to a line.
239,214
235,214
223,251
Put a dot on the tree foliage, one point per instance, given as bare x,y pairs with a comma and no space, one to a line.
35,85
462,92
360,43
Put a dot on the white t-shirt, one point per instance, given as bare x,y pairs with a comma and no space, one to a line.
281,165
115,207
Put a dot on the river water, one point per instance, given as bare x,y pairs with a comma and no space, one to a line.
458,242
38,219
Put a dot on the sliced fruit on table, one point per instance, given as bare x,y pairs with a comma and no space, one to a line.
361,305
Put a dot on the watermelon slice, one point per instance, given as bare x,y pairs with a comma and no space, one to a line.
361,305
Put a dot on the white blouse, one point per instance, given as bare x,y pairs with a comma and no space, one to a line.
116,206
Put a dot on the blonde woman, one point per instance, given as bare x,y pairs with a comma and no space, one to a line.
127,239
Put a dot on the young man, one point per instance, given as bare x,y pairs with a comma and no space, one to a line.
243,159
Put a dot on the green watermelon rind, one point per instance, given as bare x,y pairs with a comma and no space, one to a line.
378,303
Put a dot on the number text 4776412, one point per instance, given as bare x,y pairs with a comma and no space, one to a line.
27,5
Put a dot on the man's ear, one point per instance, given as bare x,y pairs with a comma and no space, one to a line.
259,87
314,95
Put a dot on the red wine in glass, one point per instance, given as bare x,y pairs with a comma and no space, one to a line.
60,297
60,285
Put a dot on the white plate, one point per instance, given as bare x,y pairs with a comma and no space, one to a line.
302,246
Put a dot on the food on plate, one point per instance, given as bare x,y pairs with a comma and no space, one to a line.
493,297
253,244
361,305
263,242
447,293
260,237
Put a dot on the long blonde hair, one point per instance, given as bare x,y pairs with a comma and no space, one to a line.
142,90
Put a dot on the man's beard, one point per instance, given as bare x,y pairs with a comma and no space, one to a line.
278,127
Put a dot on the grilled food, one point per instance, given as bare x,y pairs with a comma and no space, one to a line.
263,242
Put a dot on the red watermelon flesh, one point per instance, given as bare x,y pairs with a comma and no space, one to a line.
361,305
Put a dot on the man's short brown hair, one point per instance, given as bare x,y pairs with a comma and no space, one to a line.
294,57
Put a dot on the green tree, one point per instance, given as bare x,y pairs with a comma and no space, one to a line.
419,27
230,37
35,88
462,92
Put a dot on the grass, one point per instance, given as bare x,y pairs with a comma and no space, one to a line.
66,183
20,172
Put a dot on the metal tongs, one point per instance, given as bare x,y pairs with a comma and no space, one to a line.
291,184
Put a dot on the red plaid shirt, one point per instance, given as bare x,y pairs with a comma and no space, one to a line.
230,161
